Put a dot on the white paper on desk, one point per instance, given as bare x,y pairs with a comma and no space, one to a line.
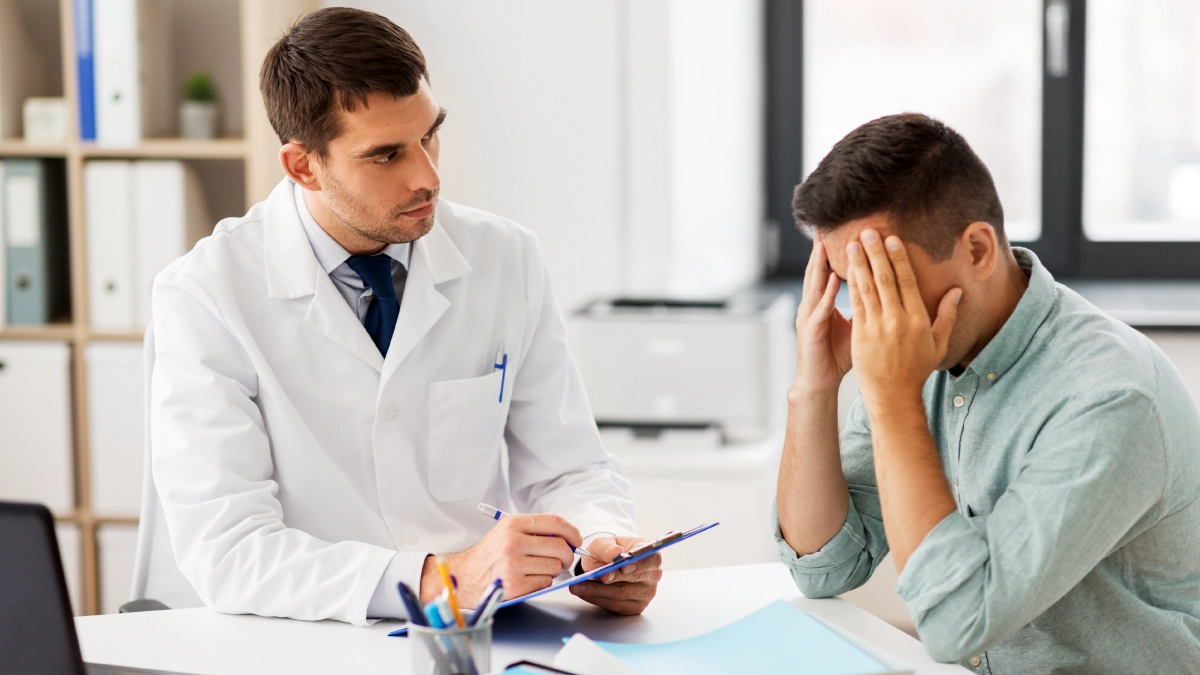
582,656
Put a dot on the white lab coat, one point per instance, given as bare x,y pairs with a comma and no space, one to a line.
293,460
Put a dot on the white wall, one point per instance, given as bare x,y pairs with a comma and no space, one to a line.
625,133
695,97
533,93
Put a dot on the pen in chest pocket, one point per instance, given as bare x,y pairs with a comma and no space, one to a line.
502,366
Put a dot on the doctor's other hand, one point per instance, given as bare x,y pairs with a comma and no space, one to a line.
822,333
626,591
516,550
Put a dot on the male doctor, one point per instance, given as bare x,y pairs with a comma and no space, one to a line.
343,374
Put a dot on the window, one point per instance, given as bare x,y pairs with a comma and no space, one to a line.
1086,113
974,65
1141,152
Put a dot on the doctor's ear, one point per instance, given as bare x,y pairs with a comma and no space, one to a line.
297,163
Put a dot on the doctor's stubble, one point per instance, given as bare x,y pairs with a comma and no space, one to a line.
358,214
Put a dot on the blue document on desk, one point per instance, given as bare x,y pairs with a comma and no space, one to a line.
776,639
598,572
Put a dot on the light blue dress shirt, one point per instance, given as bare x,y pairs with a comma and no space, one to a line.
332,257
1072,447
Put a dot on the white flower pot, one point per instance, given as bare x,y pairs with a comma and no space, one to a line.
198,119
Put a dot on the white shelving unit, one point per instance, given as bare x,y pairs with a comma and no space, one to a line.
227,38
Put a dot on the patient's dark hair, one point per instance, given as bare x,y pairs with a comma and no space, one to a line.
329,61
911,167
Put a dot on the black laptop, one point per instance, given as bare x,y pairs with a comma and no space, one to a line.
37,631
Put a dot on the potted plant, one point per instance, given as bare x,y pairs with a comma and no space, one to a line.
198,111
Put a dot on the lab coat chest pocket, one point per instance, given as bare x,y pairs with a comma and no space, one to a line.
466,427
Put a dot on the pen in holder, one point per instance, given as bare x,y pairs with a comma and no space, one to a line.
451,651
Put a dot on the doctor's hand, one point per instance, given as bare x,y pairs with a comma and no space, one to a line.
628,590
516,550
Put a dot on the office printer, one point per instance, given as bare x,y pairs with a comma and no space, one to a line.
650,363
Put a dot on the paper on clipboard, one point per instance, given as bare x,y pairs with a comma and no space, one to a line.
598,572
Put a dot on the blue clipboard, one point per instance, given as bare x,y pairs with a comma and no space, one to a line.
588,576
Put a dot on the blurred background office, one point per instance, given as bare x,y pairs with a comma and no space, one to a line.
652,145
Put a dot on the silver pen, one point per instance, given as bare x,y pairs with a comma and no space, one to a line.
496,514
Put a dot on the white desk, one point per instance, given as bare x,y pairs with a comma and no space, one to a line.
689,602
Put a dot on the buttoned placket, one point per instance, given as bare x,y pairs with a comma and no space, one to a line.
961,394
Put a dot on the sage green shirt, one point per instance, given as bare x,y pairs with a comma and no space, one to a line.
1072,447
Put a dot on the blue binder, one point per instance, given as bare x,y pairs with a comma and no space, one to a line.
36,250
86,69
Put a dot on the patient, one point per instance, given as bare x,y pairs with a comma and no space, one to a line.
1032,464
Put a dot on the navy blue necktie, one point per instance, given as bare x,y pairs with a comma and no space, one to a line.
376,271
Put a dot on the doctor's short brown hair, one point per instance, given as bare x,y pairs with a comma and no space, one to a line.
329,61
919,172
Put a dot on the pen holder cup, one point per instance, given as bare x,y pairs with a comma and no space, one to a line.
451,651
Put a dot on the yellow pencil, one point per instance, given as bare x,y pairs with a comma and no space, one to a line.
450,596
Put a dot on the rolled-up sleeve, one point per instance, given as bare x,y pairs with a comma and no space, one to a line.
849,559
1085,488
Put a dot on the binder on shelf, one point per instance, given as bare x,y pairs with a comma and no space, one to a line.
117,551
35,416
141,216
108,208
35,230
169,217
22,69
116,426
69,551
3,257
131,70
85,69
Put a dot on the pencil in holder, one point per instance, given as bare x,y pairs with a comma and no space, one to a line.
451,651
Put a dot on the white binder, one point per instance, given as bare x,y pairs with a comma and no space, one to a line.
108,207
35,416
117,546
68,549
116,426
3,257
169,217
131,69
141,216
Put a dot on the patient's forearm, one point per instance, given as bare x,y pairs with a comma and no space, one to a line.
913,493
811,496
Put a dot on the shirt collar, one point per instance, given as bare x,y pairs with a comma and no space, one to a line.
331,254
1015,335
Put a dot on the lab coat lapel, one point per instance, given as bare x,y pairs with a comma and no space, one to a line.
293,272
435,260
329,313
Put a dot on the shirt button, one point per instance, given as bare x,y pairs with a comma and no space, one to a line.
959,400
991,377
411,537
974,661
388,412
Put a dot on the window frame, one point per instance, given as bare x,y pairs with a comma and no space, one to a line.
1063,248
